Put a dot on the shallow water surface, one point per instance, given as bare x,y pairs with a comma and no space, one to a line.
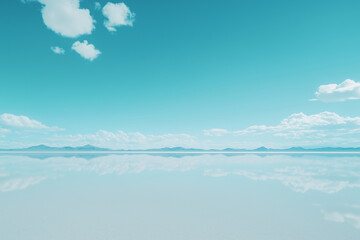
179,196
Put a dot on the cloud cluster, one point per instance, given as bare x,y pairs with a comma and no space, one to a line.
123,140
301,125
347,90
86,50
117,14
301,174
19,128
66,18
22,131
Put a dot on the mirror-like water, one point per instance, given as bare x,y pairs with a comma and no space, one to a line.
179,196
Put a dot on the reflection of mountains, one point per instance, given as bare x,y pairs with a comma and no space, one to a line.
93,155
300,173
90,156
44,156
90,148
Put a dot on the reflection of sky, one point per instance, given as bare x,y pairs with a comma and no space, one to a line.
194,196
301,174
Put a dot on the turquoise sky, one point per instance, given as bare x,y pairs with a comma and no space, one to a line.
181,68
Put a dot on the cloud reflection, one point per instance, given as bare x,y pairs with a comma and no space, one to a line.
300,173
350,218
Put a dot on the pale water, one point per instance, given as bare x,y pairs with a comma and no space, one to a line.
179,196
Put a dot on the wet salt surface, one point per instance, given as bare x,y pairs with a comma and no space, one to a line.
179,196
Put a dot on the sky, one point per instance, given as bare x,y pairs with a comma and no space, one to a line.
204,74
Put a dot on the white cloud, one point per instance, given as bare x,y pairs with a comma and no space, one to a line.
122,140
86,50
215,132
117,14
66,18
301,121
97,6
300,125
347,90
10,120
58,50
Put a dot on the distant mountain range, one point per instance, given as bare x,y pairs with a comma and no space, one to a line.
90,148
44,148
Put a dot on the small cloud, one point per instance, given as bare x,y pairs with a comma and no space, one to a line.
97,6
66,18
117,14
57,50
216,132
347,90
86,50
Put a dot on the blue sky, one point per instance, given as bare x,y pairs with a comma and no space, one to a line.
169,73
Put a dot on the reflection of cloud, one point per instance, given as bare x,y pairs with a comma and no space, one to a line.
353,206
327,178
300,183
299,173
19,183
350,218
334,217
